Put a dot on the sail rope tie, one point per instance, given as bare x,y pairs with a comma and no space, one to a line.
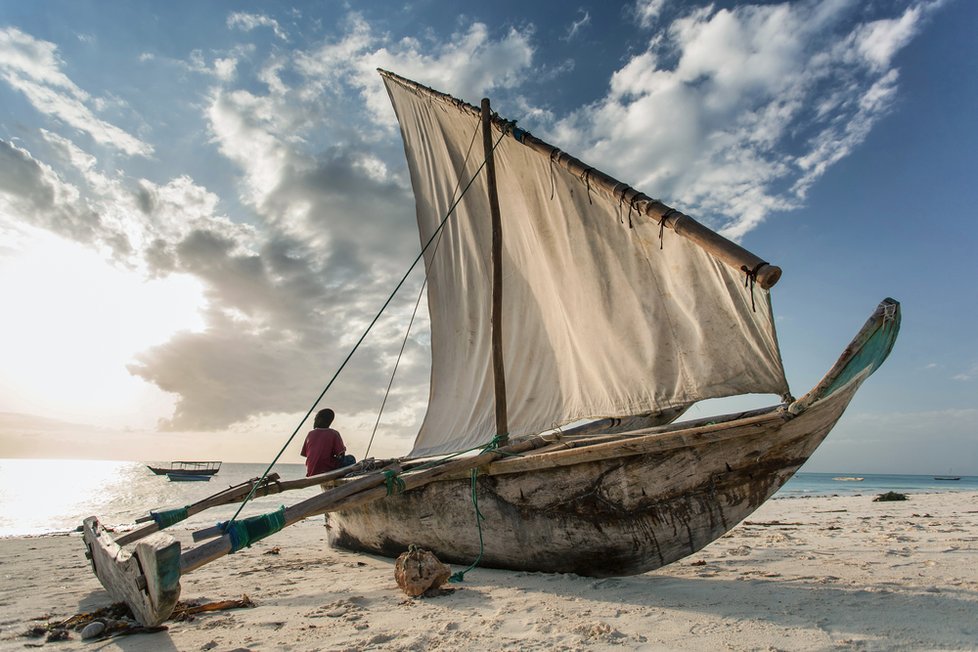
662,223
554,155
167,517
751,279
417,304
254,528
420,256
395,485
586,178
631,207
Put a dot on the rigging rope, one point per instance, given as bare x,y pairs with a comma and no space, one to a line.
460,575
226,526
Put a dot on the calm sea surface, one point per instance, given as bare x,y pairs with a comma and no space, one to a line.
44,496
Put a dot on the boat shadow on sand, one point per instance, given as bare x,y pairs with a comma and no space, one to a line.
880,612
940,617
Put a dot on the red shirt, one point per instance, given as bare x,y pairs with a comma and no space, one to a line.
321,448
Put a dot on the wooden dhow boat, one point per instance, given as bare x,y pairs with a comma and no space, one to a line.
573,320
187,468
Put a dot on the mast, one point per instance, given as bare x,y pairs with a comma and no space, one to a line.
498,371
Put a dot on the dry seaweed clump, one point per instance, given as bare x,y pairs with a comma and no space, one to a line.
117,620
889,496
109,621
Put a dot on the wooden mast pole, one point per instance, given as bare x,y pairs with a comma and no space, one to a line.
498,370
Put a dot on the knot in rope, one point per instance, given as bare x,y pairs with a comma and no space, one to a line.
750,279
167,517
254,528
554,157
395,485
586,178
494,443
662,223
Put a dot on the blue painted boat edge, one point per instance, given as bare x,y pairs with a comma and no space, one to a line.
863,356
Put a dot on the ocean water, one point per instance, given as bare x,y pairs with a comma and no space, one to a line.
828,484
47,496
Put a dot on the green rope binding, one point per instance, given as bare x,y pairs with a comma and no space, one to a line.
167,517
460,575
395,485
254,528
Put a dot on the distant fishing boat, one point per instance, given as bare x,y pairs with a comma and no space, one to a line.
947,477
848,478
187,468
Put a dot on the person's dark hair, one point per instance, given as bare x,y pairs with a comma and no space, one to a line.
324,418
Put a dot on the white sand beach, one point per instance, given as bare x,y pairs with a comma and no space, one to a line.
799,574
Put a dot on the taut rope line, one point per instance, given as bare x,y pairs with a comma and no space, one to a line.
449,213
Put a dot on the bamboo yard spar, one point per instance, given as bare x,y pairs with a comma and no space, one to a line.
612,307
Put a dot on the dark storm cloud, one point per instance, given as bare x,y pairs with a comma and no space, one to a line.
39,197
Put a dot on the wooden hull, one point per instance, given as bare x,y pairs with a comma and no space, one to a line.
607,517
176,470
616,508
189,477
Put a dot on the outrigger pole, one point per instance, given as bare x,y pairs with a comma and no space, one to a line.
148,579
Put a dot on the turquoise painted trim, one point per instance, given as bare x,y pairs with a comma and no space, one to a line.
168,569
870,356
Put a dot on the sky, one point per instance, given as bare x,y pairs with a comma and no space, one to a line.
203,205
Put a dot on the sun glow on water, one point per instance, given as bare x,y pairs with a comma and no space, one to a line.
39,496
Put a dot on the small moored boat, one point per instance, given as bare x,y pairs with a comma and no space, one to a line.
188,477
187,468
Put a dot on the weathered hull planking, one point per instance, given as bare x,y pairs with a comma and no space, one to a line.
601,518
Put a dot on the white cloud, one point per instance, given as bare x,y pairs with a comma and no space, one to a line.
32,67
469,63
648,11
971,373
577,25
880,40
247,22
739,111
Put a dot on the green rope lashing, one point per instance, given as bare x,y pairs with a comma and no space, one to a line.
460,575
167,517
254,528
395,485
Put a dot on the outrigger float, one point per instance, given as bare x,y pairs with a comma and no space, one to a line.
603,319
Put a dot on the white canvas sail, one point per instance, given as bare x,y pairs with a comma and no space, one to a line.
597,319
